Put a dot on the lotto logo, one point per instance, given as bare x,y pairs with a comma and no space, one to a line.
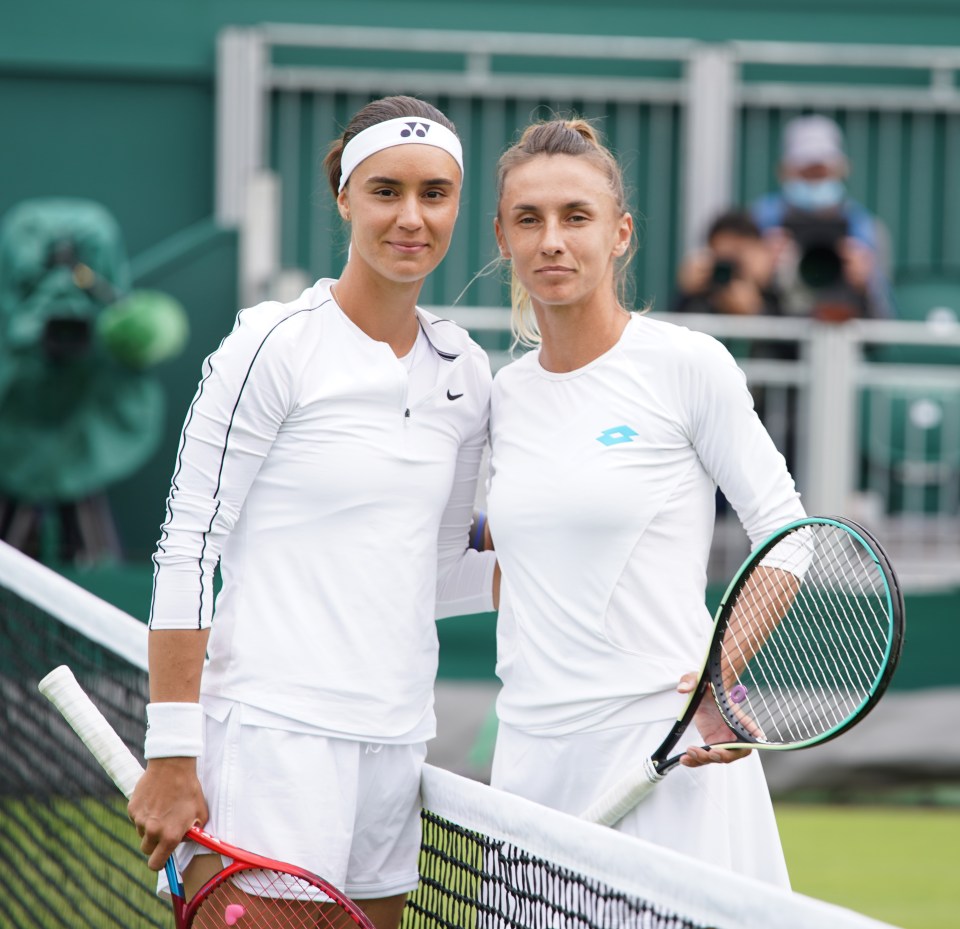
420,130
617,435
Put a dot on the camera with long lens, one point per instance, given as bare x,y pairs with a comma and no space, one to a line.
818,239
723,272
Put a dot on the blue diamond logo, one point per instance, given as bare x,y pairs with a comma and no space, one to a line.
617,435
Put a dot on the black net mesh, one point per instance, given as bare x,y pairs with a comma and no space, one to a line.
469,879
69,856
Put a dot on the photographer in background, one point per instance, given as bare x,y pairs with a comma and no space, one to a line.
830,251
733,274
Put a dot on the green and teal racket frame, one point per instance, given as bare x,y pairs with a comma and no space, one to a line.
806,640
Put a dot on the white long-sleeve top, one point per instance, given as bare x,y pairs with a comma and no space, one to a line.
337,500
602,505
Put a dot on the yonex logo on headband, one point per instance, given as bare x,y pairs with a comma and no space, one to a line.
418,129
400,131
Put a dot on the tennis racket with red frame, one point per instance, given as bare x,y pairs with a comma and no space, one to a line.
251,891
805,642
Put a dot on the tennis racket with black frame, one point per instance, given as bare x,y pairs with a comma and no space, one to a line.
805,641
251,891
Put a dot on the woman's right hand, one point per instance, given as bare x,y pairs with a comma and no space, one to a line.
167,801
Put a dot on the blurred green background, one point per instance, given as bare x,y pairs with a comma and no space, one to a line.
114,101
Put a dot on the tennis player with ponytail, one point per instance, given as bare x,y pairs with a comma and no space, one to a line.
328,464
608,443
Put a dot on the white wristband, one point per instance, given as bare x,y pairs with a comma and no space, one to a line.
174,730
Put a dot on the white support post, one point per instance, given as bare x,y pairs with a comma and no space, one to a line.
831,426
241,107
260,238
709,127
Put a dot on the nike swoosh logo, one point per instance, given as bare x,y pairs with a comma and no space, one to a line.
451,396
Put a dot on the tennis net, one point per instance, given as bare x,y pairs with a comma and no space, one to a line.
69,856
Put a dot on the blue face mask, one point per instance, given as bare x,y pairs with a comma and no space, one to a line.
814,195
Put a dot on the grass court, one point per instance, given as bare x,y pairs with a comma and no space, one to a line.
898,864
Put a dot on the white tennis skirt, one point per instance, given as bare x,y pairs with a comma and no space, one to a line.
719,813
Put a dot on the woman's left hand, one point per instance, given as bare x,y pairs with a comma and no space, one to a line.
712,726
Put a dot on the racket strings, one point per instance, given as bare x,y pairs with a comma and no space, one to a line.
862,602
807,638
818,650
761,605
756,626
257,898
854,637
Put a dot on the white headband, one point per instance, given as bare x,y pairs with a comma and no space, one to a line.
402,131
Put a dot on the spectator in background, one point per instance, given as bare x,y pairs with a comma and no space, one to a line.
733,274
830,251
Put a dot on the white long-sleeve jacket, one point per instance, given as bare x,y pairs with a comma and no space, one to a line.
338,509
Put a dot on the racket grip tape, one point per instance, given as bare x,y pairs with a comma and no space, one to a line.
60,687
614,803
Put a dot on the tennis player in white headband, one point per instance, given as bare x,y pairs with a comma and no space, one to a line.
333,449
401,131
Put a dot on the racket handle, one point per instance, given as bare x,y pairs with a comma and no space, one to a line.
60,687
613,804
